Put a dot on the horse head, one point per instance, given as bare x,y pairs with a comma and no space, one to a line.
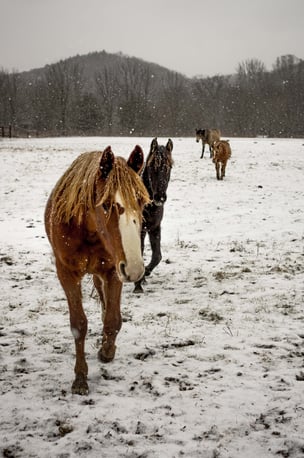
158,171
199,134
119,211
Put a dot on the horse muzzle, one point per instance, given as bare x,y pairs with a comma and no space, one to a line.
159,200
131,273
158,203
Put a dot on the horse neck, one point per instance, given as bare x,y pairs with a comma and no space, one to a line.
146,181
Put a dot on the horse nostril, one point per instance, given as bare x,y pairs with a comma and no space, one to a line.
160,198
122,267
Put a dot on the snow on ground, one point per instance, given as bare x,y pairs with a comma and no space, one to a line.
210,360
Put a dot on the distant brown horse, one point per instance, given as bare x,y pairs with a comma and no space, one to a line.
221,154
93,221
207,136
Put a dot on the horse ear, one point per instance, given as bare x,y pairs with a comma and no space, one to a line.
154,145
136,159
106,162
169,145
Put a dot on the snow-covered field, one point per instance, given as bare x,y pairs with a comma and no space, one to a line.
209,361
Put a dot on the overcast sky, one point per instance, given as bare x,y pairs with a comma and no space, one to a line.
194,37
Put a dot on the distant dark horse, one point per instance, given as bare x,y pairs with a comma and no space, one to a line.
156,176
208,136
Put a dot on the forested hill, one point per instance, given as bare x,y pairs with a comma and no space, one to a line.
98,63
113,94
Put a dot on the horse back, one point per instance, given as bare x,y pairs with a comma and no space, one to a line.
208,135
222,151
213,135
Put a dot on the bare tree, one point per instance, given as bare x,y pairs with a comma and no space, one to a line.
134,106
209,94
171,115
8,94
288,87
89,116
251,77
64,84
107,87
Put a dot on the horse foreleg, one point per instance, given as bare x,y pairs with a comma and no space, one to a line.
112,287
154,237
223,169
138,284
217,168
211,151
71,284
99,287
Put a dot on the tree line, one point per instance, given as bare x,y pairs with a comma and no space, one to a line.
113,94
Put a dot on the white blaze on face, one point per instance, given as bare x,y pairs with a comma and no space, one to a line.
129,226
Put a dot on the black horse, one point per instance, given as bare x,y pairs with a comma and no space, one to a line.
156,176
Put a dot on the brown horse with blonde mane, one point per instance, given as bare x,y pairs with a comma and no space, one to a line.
93,221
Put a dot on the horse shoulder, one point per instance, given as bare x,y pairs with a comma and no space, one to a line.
152,216
67,243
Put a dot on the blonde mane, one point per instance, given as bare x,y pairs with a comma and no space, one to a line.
81,188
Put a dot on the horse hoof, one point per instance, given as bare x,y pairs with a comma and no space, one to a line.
106,356
138,289
80,385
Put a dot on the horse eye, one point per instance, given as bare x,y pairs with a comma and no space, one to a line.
120,209
106,207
